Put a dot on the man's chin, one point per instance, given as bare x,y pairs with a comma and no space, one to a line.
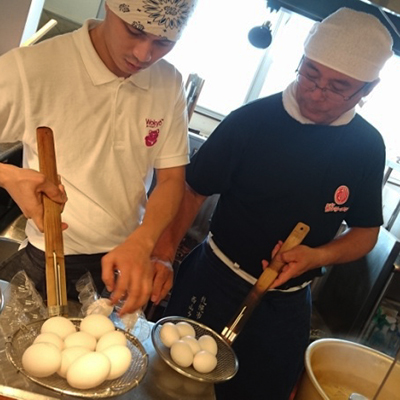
318,117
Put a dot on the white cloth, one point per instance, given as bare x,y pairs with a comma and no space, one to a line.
109,132
235,267
292,107
354,43
164,18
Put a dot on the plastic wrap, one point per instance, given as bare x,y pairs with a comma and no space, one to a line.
23,305
92,303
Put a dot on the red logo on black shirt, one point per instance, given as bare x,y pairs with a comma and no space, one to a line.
342,195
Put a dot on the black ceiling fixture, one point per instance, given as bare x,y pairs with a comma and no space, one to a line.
261,36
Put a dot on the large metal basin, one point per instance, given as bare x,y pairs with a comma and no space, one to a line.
334,369
3,287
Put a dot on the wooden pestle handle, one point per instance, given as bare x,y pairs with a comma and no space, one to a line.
265,280
55,265
47,154
275,266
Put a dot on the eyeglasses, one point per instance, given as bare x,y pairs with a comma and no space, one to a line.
329,94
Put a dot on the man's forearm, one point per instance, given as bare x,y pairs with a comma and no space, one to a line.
162,206
5,173
351,245
173,234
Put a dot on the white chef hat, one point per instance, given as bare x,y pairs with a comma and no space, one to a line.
165,18
354,43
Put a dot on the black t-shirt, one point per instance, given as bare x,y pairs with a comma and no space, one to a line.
273,172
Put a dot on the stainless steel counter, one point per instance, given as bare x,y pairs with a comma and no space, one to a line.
160,382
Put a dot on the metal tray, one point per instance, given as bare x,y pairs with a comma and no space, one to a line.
227,363
23,338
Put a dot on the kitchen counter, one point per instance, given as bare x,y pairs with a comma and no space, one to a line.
160,382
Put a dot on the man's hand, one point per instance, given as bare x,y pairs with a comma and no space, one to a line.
350,245
297,261
27,187
163,279
134,283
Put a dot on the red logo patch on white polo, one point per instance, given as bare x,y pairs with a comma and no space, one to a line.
152,137
342,195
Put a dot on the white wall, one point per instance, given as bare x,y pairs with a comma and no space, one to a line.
19,20
74,10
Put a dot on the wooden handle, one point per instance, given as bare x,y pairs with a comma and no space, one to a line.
275,266
56,286
265,280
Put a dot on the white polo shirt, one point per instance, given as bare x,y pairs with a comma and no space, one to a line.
109,132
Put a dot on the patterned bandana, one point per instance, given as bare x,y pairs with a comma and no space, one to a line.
164,18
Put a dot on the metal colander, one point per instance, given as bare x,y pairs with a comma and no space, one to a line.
23,338
227,363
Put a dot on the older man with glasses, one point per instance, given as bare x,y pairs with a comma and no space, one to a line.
339,92
300,155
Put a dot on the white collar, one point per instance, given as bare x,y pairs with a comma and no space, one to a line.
292,108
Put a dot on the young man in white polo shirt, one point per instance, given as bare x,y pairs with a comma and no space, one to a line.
117,112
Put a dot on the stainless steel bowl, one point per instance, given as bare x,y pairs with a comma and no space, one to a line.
3,286
335,368
227,365
23,338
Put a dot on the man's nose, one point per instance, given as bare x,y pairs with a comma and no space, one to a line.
143,51
318,93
